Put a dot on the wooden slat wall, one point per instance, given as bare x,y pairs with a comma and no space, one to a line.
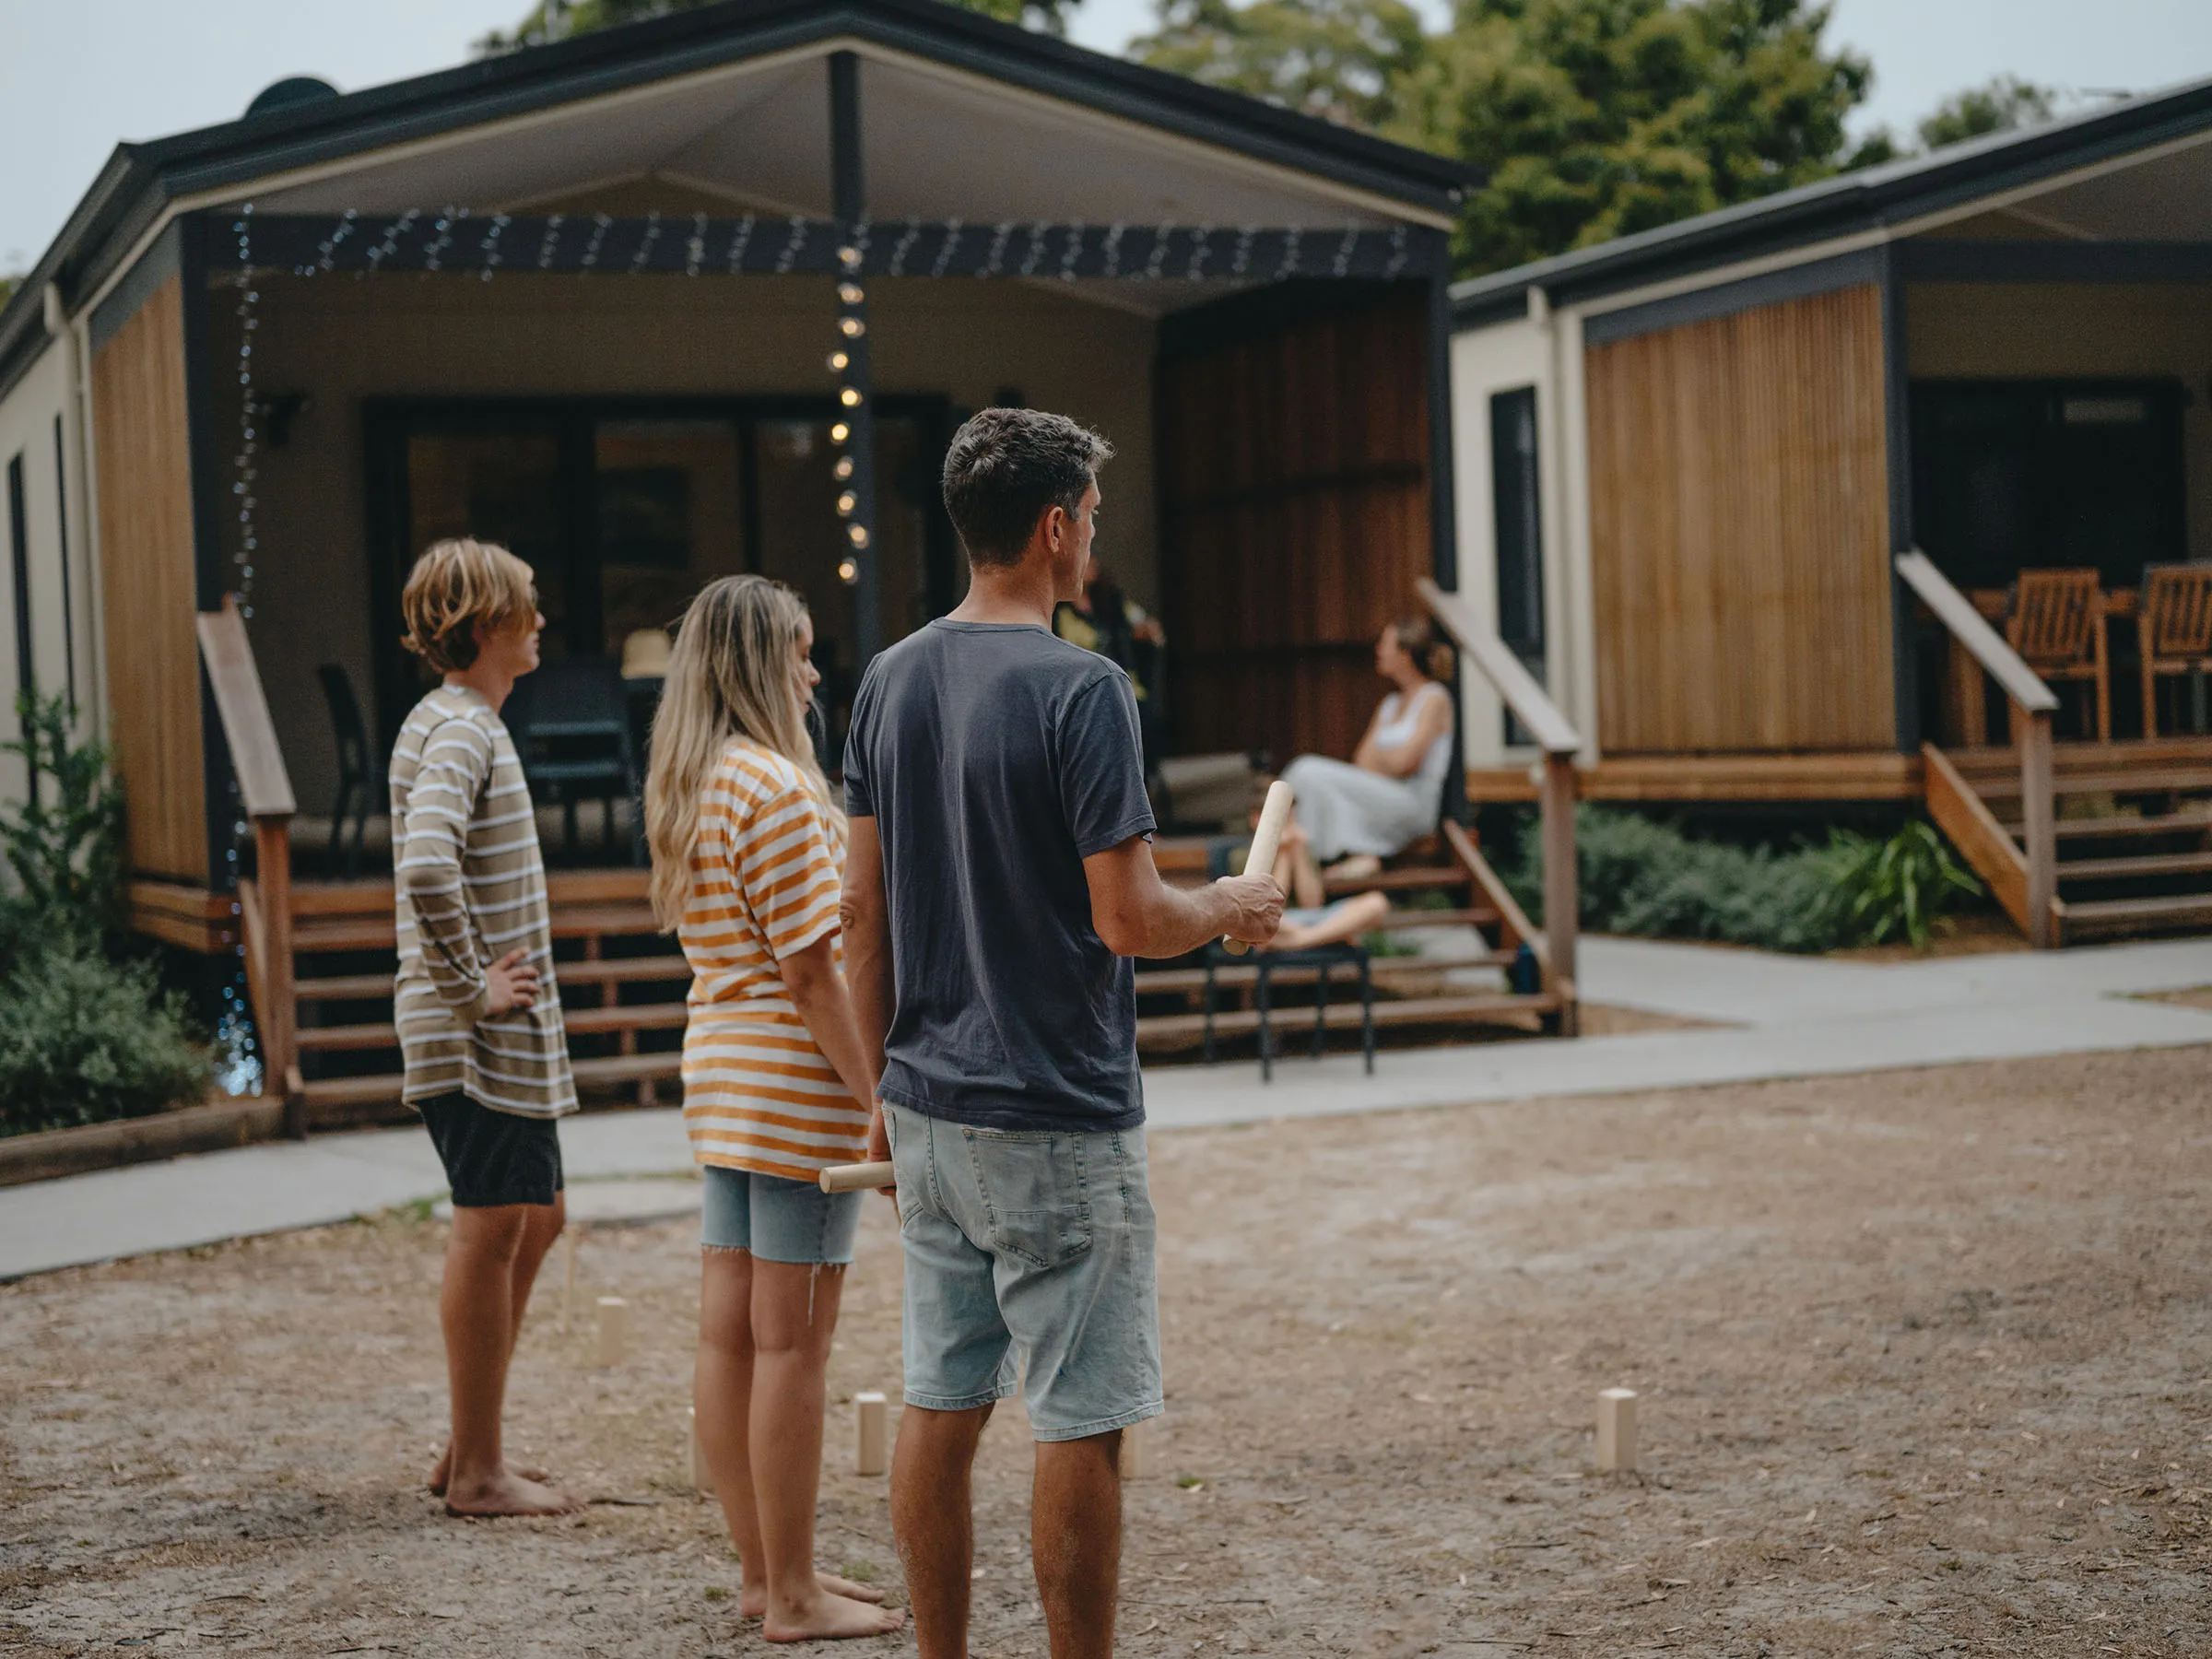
1294,470
139,421
1739,505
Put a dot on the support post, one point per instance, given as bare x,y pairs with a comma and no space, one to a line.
279,997
2039,820
856,390
1562,898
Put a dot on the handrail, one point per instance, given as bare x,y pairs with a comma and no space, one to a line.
1557,788
1957,612
264,789
2033,703
1536,712
264,785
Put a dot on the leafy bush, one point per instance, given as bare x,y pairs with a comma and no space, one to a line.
1645,877
1882,889
84,1039
63,845
84,1036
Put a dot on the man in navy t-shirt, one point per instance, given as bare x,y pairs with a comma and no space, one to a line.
1000,878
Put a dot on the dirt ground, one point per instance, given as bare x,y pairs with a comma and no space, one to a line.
1924,1361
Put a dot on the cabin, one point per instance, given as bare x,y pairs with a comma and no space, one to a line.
697,296
1894,488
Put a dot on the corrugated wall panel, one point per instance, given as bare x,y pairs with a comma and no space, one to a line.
1738,532
141,426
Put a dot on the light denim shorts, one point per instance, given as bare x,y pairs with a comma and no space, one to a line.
1030,1249
776,1219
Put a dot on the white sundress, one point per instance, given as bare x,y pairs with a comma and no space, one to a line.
1347,810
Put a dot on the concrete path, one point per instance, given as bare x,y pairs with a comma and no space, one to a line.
1785,1016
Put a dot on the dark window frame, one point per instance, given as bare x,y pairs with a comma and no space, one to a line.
1517,534
389,422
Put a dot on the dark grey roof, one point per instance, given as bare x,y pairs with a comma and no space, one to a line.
1871,199
140,179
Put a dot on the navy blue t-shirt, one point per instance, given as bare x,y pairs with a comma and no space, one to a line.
994,759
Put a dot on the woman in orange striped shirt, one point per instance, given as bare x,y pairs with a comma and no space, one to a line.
747,856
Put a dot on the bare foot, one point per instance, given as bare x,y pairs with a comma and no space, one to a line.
831,1617
752,1602
507,1493
445,1466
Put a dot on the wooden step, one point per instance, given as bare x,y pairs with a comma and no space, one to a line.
1483,1007
1482,916
2126,869
2110,918
609,970
2114,828
319,934
343,1102
1381,970
579,1022
2178,779
1422,878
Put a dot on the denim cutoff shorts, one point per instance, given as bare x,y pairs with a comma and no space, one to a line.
776,1219
1029,1248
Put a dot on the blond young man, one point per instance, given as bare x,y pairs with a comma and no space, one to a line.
478,1017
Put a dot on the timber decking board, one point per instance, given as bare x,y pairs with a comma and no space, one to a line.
150,587
1740,559
2128,869
1292,1023
1295,518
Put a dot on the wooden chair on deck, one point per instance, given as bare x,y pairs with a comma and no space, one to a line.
2057,625
2173,627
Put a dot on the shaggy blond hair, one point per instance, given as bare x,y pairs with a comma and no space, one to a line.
731,675
457,589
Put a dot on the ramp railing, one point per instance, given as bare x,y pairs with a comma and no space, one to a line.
2025,877
1557,787
264,899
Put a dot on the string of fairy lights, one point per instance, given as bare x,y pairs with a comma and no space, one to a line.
459,242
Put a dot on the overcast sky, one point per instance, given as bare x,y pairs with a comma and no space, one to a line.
75,78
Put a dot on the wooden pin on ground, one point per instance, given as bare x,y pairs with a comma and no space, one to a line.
1137,1445
871,1434
614,1331
1617,1429
567,1290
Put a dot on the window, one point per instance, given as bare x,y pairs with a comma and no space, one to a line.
1517,508
61,524
18,537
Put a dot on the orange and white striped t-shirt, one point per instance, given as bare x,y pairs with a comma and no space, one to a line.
766,870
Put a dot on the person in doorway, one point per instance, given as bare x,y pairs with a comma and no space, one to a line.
1352,816
486,1055
1102,618
1000,877
748,859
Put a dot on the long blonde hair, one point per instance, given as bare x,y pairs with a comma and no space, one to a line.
729,676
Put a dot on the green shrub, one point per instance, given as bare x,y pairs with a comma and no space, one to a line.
1643,878
84,1039
1879,890
63,845
84,1036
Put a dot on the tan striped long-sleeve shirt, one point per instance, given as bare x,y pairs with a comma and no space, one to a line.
470,886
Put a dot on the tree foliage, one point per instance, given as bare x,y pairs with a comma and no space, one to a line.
552,20
1999,105
1342,60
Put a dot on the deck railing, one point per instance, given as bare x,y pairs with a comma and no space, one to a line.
1541,718
266,791
2033,702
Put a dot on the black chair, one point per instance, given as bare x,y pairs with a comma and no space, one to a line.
1324,960
570,720
361,769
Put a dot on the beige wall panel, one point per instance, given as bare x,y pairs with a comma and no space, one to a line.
345,339
2058,330
1738,509
139,426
